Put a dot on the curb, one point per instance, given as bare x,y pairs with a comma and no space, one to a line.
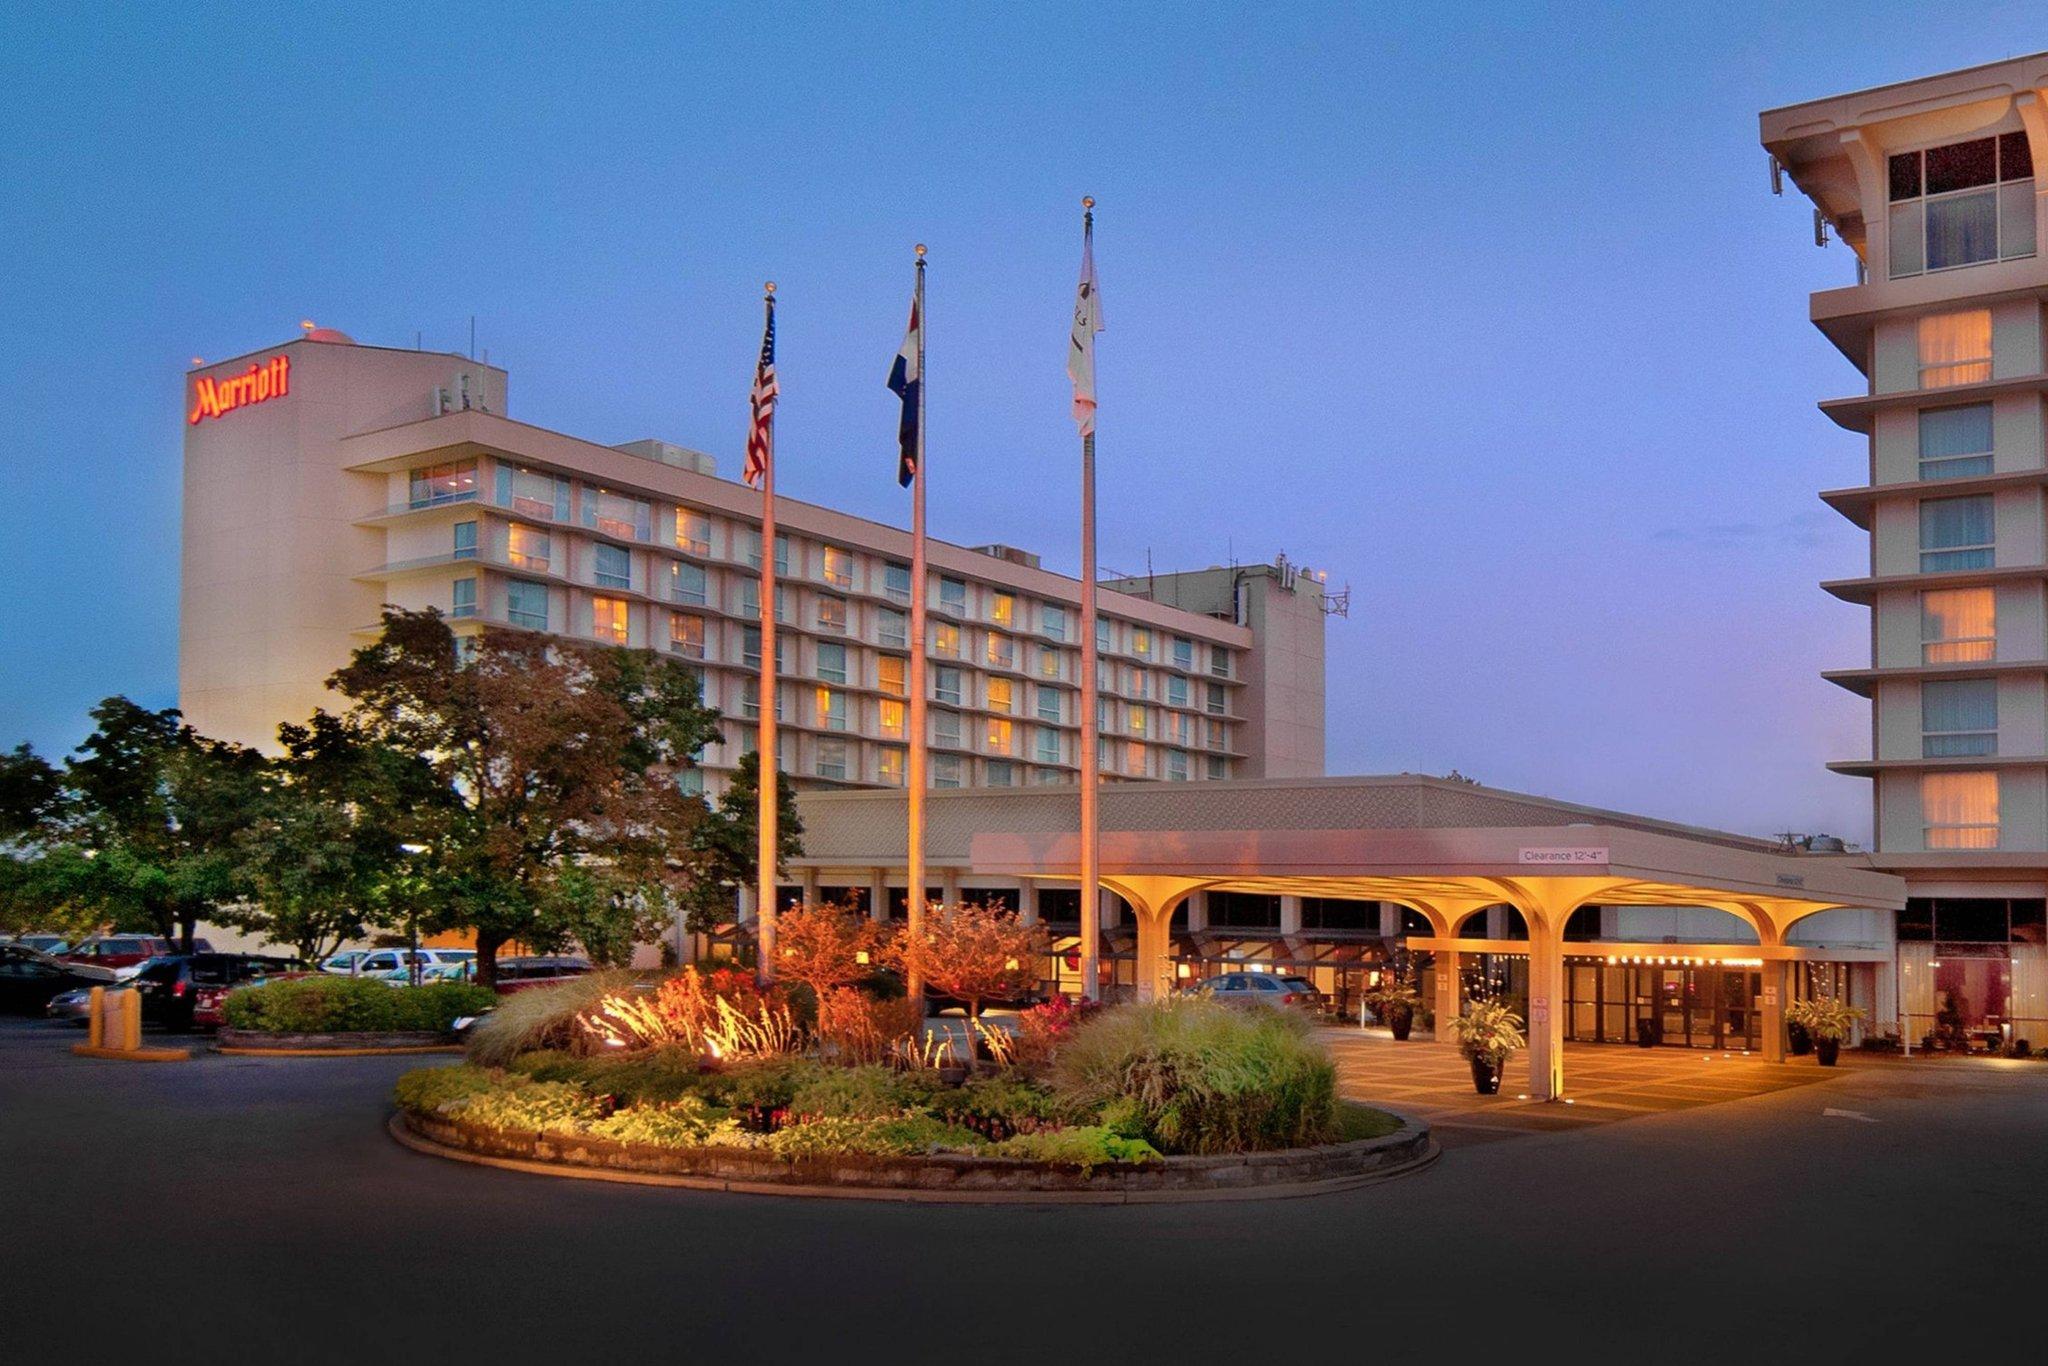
86,1050
337,1052
403,1134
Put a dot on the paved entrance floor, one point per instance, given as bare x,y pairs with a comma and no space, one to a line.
1603,1083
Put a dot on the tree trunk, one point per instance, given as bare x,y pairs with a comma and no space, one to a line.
487,946
186,925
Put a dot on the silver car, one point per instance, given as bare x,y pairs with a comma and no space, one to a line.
1260,989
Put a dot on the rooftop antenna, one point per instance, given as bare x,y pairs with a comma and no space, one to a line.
1337,604
1777,176
472,336
418,337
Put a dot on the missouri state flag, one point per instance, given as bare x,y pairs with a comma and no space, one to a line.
906,381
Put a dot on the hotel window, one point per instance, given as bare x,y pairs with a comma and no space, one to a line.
1134,759
1134,720
1001,695
1955,443
1048,663
896,581
781,602
892,628
999,773
1219,767
526,604
832,759
889,767
1001,652
608,619
831,662
1183,653
693,533
946,640
438,484
1215,703
1958,717
953,597
465,540
781,551
613,567
946,769
1958,626
831,709
1176,765
1180,728
838,566
1955,348
686,635
946,685
528,547
1219,735
1176,691
531,493
750,702
890,672
1141,642
690,782
1049,708
946,728
687,583
997,736
465,651
1053,621
1045,744
1002,609
750,599
1103,635
892,719
1956,533
1219,661
831,614
750,646
463,601
1140,683
1962,205
1959,810
616,514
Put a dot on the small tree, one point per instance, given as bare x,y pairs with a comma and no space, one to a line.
972,952
726,851
825,947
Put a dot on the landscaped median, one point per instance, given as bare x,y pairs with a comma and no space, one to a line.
346,1016
717,1086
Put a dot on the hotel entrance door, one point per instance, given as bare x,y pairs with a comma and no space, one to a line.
1701,1006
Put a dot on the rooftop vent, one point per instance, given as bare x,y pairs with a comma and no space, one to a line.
1010,553
667,453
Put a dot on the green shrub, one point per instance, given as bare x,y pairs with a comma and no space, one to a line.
1203,1078
427,1089
683,1124
655,1077
901,1136
351,1005
1086,1147
541,1018
766,1084
997,1106
531,1107
870,1092
1362,1121
438,1005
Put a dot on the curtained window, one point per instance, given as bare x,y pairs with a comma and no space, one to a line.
1955,348
1956,533
1955,443
1958,626
1958,716
1961,205
1959,810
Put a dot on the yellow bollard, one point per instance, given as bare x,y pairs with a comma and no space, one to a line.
95,1018
131,1020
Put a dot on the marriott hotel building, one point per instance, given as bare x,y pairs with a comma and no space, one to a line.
324,479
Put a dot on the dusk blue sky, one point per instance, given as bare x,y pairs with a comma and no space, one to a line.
1485,309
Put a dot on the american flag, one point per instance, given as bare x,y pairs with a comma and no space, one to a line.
761,437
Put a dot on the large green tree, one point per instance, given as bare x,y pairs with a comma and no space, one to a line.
549,805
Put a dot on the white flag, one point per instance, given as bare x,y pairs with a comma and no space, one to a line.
1081,347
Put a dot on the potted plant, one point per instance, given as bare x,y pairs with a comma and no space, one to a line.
1828,1020
1486,1035
1649,1031
1395,1003
1797,1041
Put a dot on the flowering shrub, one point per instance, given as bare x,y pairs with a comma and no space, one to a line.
858,1028
721,1014
1042,1028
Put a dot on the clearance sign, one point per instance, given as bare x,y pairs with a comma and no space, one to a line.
258,384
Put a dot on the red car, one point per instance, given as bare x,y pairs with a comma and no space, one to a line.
118,950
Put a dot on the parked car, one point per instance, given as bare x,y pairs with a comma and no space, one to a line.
185,991
522,974
382,962
1260,989
75,1006
54,944
28,979
119,951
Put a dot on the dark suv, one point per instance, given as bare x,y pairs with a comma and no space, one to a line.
185,991
29,979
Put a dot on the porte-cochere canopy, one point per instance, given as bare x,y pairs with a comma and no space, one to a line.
1447,849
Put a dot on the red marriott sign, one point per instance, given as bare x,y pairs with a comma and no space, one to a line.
258,384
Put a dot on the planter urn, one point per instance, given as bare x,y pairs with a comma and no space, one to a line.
1401,1021
1826,1051
1647,1031
1486,1076
1797,1041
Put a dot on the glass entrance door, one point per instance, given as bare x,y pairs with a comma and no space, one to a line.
1687,1007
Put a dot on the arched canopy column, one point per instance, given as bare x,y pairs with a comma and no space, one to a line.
1444,914
1152,898
1546,905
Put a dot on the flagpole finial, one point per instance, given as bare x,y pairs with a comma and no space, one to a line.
1087,201
770,286
920,251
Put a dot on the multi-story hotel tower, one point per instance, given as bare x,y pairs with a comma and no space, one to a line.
324,479
1931,183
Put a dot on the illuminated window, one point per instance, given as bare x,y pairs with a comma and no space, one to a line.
831,709
1001,652
612,566
1141,642
892,628
438,484
616,514
892,718
686,583
532,493
946,770
1135,720
832,760
1001,695
1958,717
997,736
891,672
838,566
1048,662
1962,205
686,635
528,547
463,601
953,597
1958,626
999,773
946,685
1045,744
1955,348
608,619
1956,533
1960,810
465,540
526,604
693,532
946,640
1049,706
1955,443
889,766
1002,609
896,581
831,614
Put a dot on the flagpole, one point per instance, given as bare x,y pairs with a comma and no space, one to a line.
767,749
1091,867
916,777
